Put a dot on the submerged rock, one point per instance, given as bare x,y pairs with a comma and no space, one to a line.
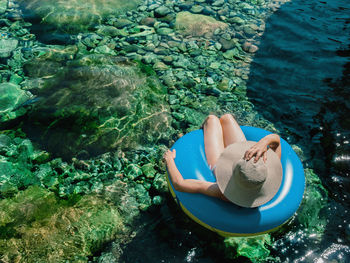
96,103
161,11
7,46
74,16
55,230
197,25
11,98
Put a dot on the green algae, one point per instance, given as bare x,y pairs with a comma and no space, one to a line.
254,248
314,201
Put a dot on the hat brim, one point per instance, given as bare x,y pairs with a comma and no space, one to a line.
232,190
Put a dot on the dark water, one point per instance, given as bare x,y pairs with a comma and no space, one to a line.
300,80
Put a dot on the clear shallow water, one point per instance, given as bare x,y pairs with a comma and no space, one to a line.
299,80
71,107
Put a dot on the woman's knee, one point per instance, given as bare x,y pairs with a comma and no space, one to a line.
212,120
226,118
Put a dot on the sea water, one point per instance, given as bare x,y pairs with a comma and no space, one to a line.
93,92
300,81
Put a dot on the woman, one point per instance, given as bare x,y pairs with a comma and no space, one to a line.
236,179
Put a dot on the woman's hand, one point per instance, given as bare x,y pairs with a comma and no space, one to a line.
169,155
259,149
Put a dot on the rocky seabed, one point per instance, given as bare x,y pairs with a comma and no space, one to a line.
85,121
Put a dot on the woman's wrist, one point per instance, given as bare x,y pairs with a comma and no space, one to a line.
170,161
273,140
266,140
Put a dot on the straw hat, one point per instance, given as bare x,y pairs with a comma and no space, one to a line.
246,183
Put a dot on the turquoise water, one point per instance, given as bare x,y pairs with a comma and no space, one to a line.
93,92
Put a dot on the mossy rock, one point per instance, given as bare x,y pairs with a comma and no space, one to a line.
197,25
11,97
74,16
96,103
37,227
17,170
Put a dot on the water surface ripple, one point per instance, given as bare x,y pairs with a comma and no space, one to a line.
299,80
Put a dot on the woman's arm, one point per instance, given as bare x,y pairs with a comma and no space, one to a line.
189,185
261,147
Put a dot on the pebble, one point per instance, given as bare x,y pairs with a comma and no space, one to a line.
14,16
16,79
161,51
224,85
150,47
197,9
236,20
153,6
226,44
3,7
168,59
149,58
217,31
218,46
208,11
192,45
215,65
246,46
229,54
161,11
249,31
173,99
210,81
249,47
189,82
167,80
218,3
142,8
164,31
173,43
160,66
122,22
104,50
157,200
131,48
148,21
134,56
253,49
223,12
108,31
182,47
226,36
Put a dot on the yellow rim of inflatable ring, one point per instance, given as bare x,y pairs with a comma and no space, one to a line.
220,232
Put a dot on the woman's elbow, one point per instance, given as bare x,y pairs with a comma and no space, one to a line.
178,186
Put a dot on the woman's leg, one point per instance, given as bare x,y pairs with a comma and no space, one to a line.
231,131
213,139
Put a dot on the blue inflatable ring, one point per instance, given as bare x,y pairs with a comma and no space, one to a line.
228,219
